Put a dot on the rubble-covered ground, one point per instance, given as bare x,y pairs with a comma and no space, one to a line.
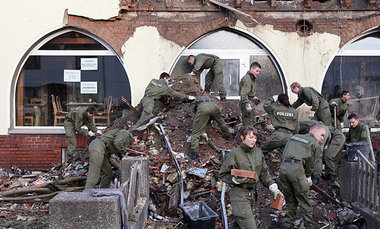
200,179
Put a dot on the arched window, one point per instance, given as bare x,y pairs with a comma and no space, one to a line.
66,70
356,68
237,51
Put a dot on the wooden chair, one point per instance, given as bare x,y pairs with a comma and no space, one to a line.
106,114
28,119
58,113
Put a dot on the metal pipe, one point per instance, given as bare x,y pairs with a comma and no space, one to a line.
224,213
161,130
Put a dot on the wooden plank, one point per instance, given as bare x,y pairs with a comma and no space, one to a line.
243,173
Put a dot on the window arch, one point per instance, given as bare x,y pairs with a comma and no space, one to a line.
237,54
356,68
67,69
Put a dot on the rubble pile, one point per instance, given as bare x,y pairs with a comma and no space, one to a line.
200,179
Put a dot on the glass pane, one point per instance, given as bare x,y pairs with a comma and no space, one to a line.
371,42
361,76
42,88
218,40
72,41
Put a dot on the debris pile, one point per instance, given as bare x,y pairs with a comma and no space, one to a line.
200,179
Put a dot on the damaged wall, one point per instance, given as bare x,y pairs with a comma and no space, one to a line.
143,68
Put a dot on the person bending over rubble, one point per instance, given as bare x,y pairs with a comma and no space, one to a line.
330,150
203,110
74,120
114,141
243,190
320,108
340,106
284,119
296,168
247,94
215,64
155,91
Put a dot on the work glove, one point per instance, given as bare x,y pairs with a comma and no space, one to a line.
274,189
256,100
248,107
192,73
309,181
99,132
311,114
275,98
342,125
243,180
204,135
333,104
191,97
90,133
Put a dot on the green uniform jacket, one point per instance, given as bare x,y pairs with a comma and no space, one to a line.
341,108
203,61
304,149
80,118
159,88
282,116
245,158
117,140
247,88
357,134
309,96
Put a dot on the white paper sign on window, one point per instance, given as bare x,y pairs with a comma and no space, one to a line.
89,87
89,63
71,75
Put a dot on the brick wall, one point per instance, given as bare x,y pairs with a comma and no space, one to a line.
34,152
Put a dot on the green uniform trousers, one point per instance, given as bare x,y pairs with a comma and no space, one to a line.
149,106
248,118
278,139
242,201
204,113
323,113
333,154
71,138
295,188
99,166
216,73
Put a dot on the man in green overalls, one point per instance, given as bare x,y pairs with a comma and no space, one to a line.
155,91
215,64
284,119
339,106
295,174
114,141
319,106
204,109
74,120
243,190
247,94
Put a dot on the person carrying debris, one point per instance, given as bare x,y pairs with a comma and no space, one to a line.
155,91
284,119
320,108
114,141
203,110
74,120
215,64
243,192
339,107
247,94
357,131
295,174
